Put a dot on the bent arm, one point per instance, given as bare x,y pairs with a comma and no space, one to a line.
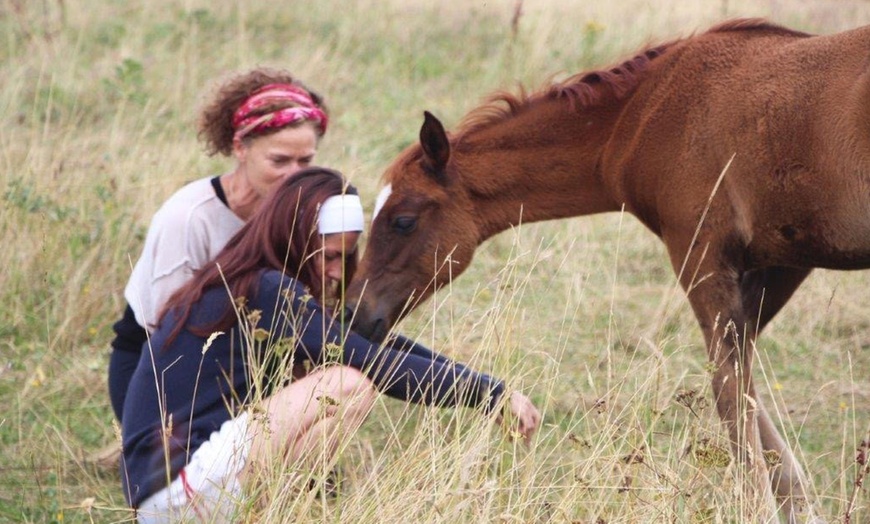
401,369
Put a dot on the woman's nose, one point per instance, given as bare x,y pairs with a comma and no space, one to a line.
292,169
333,271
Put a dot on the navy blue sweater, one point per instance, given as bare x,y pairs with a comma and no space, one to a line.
200,391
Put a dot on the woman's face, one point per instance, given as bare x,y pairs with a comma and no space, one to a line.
334,251
270,159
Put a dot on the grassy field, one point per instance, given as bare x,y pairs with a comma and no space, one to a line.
98,100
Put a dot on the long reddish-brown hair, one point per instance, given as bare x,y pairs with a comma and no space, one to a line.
282,235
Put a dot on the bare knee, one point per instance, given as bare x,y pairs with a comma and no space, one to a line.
309,407
348,387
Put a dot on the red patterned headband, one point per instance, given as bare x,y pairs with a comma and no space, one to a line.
304,109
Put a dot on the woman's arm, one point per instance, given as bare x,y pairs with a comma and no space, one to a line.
402,343
413,373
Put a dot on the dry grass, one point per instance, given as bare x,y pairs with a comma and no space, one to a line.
97,102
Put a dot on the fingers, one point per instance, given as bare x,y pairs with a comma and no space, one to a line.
529,421
525,418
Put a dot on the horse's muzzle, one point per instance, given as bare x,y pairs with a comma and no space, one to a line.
371,326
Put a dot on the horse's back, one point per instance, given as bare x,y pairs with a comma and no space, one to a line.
794,112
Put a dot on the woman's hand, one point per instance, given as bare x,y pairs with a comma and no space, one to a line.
522,419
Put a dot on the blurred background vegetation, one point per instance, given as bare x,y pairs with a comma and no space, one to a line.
98,101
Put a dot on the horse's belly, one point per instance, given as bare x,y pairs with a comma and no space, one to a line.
833,234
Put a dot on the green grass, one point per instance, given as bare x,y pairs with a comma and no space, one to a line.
97,107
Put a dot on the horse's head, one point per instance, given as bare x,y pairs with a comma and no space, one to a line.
423,234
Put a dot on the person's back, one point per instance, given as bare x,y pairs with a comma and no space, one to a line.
188,230
208,386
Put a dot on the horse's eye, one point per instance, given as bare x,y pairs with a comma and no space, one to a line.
404,225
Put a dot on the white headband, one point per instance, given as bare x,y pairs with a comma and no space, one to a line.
340,214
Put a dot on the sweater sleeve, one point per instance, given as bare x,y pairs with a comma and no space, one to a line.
401,369
402,343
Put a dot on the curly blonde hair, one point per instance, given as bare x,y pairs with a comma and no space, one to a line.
215,127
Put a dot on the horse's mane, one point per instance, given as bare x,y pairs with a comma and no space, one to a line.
589,88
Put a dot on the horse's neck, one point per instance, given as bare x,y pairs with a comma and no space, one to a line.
541,165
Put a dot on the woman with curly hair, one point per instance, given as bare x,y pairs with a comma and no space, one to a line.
271,124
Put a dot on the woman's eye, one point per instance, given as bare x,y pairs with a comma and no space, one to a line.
404,225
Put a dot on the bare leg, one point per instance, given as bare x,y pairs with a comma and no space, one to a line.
306,421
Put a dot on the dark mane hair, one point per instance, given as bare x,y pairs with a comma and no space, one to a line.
282,235
590,88
581,90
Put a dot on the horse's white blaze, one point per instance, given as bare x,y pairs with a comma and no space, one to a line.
382,199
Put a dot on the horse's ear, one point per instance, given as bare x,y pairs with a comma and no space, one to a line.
435,145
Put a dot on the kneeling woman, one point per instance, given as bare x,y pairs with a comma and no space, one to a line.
212,398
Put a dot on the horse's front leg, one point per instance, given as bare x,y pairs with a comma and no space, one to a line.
714,292
730,349
786,474
764,293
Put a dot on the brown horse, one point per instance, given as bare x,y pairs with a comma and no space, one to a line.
746,149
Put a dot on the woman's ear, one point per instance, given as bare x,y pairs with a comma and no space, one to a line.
240,150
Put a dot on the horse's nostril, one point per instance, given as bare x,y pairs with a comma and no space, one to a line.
358,324
378,331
